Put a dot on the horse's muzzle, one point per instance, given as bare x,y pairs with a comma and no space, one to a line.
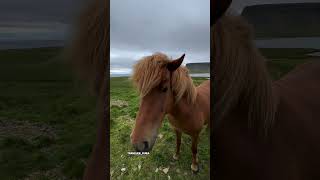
142,146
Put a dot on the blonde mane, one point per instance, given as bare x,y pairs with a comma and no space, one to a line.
90,46
89,55
240,75
150,71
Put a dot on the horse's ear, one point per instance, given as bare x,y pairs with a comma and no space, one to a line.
217,9
173,65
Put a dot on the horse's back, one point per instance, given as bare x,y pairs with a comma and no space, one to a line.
303,73
297,122
301,87
299,96
204,89
204,86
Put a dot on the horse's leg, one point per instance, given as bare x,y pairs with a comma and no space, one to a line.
194,149
178,142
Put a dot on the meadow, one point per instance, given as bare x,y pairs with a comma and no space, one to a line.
48,121
159,164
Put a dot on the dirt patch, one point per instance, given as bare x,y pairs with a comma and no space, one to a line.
49,174
25,129
125,118
118,103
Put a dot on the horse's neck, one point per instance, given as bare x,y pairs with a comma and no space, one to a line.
240,119
179,108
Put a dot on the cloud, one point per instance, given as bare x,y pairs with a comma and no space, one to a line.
40,10
140,28
38,19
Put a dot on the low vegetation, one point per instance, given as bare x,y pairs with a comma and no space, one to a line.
159,164
48,122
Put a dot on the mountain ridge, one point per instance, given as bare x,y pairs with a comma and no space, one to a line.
284,20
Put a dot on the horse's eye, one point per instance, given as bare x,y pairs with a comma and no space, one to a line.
164,89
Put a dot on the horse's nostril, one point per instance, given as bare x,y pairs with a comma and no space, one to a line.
146,145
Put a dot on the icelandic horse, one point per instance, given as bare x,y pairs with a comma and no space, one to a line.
166,88
262,129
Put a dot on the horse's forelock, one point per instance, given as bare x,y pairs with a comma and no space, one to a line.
150,71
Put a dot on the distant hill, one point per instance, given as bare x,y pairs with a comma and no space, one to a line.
284,20
199,67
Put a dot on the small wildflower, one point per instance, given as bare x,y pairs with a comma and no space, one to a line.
165,170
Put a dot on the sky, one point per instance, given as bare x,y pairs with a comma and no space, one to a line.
37,19
140,28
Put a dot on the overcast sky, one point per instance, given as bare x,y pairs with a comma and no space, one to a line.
37,19
138,27
142,27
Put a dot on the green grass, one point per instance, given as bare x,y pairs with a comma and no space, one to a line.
286,53
47,122
278,68
199,71
281,61
122,121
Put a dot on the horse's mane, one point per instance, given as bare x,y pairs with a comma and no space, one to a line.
89,55
90,46
240,75
150,71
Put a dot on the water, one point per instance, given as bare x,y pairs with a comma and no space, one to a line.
205,75
316,54
298,42
31,44
119,75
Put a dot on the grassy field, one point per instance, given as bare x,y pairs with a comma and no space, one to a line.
281,61
124,106
47,121
47,124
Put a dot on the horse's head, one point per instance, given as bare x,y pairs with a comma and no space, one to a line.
156,99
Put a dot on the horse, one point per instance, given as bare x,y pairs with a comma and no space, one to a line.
89,55
263,129
166,88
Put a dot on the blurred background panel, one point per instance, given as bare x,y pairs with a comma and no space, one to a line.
286,31
47,123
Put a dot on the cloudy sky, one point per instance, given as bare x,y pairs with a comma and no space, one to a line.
140,28
37,19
